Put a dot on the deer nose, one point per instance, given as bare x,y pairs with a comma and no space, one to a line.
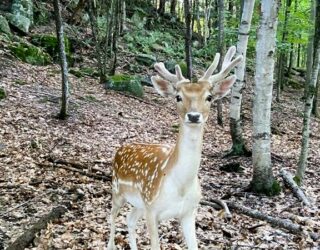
193,117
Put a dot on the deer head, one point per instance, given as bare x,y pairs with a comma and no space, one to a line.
194,99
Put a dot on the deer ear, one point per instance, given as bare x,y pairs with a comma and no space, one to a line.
223,87
164,88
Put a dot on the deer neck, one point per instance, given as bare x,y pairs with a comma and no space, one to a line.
187,153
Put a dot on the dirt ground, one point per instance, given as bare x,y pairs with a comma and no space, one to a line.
31,138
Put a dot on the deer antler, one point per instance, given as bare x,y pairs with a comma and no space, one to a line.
165,74
227,65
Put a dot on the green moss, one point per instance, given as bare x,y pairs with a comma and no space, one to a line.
30,53
125,83
2,93
297,180
50,44
269,190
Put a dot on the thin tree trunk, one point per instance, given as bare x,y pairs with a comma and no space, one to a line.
238,145
63,62
282,56
299,55
315,108
221,46
162,5
188,36
263,180
173,7
310,48
309,98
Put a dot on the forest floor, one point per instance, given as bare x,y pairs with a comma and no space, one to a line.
31,139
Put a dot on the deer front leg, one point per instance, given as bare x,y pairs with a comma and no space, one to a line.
152,224
189,230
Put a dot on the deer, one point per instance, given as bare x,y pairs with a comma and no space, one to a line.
161,181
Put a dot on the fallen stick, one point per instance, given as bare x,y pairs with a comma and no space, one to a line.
91,175
278,222
288,180
27,237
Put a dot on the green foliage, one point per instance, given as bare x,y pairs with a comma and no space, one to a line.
141,41
30,53
2,93
125,83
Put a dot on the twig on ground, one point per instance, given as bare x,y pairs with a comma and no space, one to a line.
282,223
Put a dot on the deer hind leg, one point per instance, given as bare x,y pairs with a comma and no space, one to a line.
189,230
152,224
117,202
132,219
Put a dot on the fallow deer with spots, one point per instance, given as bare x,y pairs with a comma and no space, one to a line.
161,181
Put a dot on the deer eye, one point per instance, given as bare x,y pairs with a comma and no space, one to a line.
209,98
178,98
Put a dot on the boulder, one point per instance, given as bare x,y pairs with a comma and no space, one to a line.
30,53
50,44
126,83
21,15
4,25
145,59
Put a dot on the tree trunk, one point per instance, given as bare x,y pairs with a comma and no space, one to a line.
263,180
188,36
310,48
309,98
173,7
315,108
162,7
221,46
238,145
282,56
63,62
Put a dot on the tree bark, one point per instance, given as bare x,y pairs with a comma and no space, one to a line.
162,7
173,7
263,180
238,145
315,108
222,48
310,47
188,37
309,98
63,62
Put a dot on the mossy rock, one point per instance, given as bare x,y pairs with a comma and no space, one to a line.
126,83
4,26
30,53
2,93
50,44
